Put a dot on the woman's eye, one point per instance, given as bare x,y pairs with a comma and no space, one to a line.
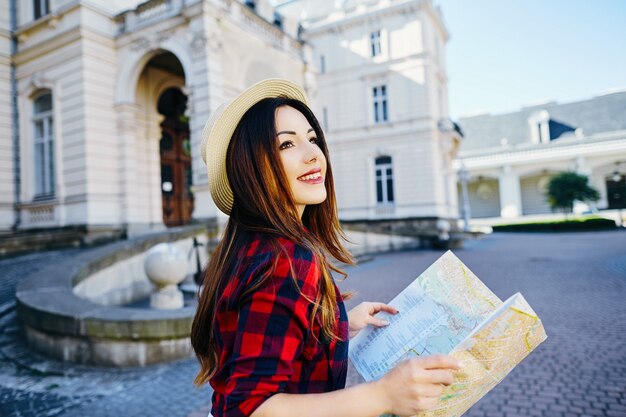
314,140
284,145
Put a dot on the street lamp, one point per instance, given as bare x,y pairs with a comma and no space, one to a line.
465,207
617,177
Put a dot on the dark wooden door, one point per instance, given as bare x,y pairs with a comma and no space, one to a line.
175,150
616,193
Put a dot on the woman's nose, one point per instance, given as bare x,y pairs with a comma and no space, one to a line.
313,152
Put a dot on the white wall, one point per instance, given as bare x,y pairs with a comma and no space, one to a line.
60,69
7,191
412,72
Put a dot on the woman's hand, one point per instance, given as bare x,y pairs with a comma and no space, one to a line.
416,384
363,314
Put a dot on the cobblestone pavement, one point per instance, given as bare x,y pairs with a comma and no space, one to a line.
32,385
575,282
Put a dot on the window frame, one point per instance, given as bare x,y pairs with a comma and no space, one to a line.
383,175
41,8
44,171
376,47
380,104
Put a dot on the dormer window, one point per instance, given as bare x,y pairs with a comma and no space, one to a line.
539,124
41,8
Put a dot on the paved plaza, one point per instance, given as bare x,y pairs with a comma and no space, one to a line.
576,282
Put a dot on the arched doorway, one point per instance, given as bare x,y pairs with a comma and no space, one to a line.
175,152
164,124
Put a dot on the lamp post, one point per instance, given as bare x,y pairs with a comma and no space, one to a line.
465,208
617,177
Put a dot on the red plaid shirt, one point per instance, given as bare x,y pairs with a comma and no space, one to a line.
265,338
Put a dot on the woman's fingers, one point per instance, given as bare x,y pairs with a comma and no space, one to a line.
439,362
375,321
439,376
384,307
430,390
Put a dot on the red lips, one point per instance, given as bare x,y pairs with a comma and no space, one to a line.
313,171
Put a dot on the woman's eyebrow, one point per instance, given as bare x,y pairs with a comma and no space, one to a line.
291,132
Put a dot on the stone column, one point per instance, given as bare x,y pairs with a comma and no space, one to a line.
510,193
206,83
126,127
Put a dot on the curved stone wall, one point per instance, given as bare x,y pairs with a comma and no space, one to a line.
66,326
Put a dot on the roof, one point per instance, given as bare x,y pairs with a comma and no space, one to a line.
599,114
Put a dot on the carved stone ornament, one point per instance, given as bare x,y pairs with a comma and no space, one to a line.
38,81
484,191
200,41
152,42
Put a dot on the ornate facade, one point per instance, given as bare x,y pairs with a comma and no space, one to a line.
109,105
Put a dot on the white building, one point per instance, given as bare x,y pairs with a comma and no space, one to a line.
510,158
100,141
381,92
109,105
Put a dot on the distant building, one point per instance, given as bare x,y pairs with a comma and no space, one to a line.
511,157
104,106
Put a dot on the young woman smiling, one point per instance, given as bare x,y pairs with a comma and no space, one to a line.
271,331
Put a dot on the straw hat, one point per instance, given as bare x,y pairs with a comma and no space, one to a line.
221,126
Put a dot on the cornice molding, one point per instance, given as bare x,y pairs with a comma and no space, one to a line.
52,44
317,27
601,144
52,19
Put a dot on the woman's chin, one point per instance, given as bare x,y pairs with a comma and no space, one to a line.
311,200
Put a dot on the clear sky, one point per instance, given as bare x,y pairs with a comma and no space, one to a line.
505,54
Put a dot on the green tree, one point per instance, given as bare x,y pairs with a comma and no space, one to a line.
567,187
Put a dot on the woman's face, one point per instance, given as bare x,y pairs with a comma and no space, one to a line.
303,160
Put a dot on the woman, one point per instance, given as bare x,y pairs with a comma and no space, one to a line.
271,331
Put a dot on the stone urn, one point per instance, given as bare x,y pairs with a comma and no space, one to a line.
166,266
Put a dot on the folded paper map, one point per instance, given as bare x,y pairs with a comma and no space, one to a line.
447,309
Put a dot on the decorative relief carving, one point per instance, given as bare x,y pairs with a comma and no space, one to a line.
38,82
484,191
200,41
149,43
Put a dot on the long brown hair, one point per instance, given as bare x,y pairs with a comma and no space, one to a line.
263,202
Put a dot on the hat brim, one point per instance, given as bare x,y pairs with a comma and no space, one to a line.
221,125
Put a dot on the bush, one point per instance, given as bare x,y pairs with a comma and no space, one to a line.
597,223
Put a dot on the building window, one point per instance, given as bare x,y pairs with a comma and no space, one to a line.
375,43
384,180
380,104
43,127
539,123
322,64
539,135
251,4
41,7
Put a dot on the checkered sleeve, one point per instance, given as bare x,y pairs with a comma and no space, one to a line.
272,328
